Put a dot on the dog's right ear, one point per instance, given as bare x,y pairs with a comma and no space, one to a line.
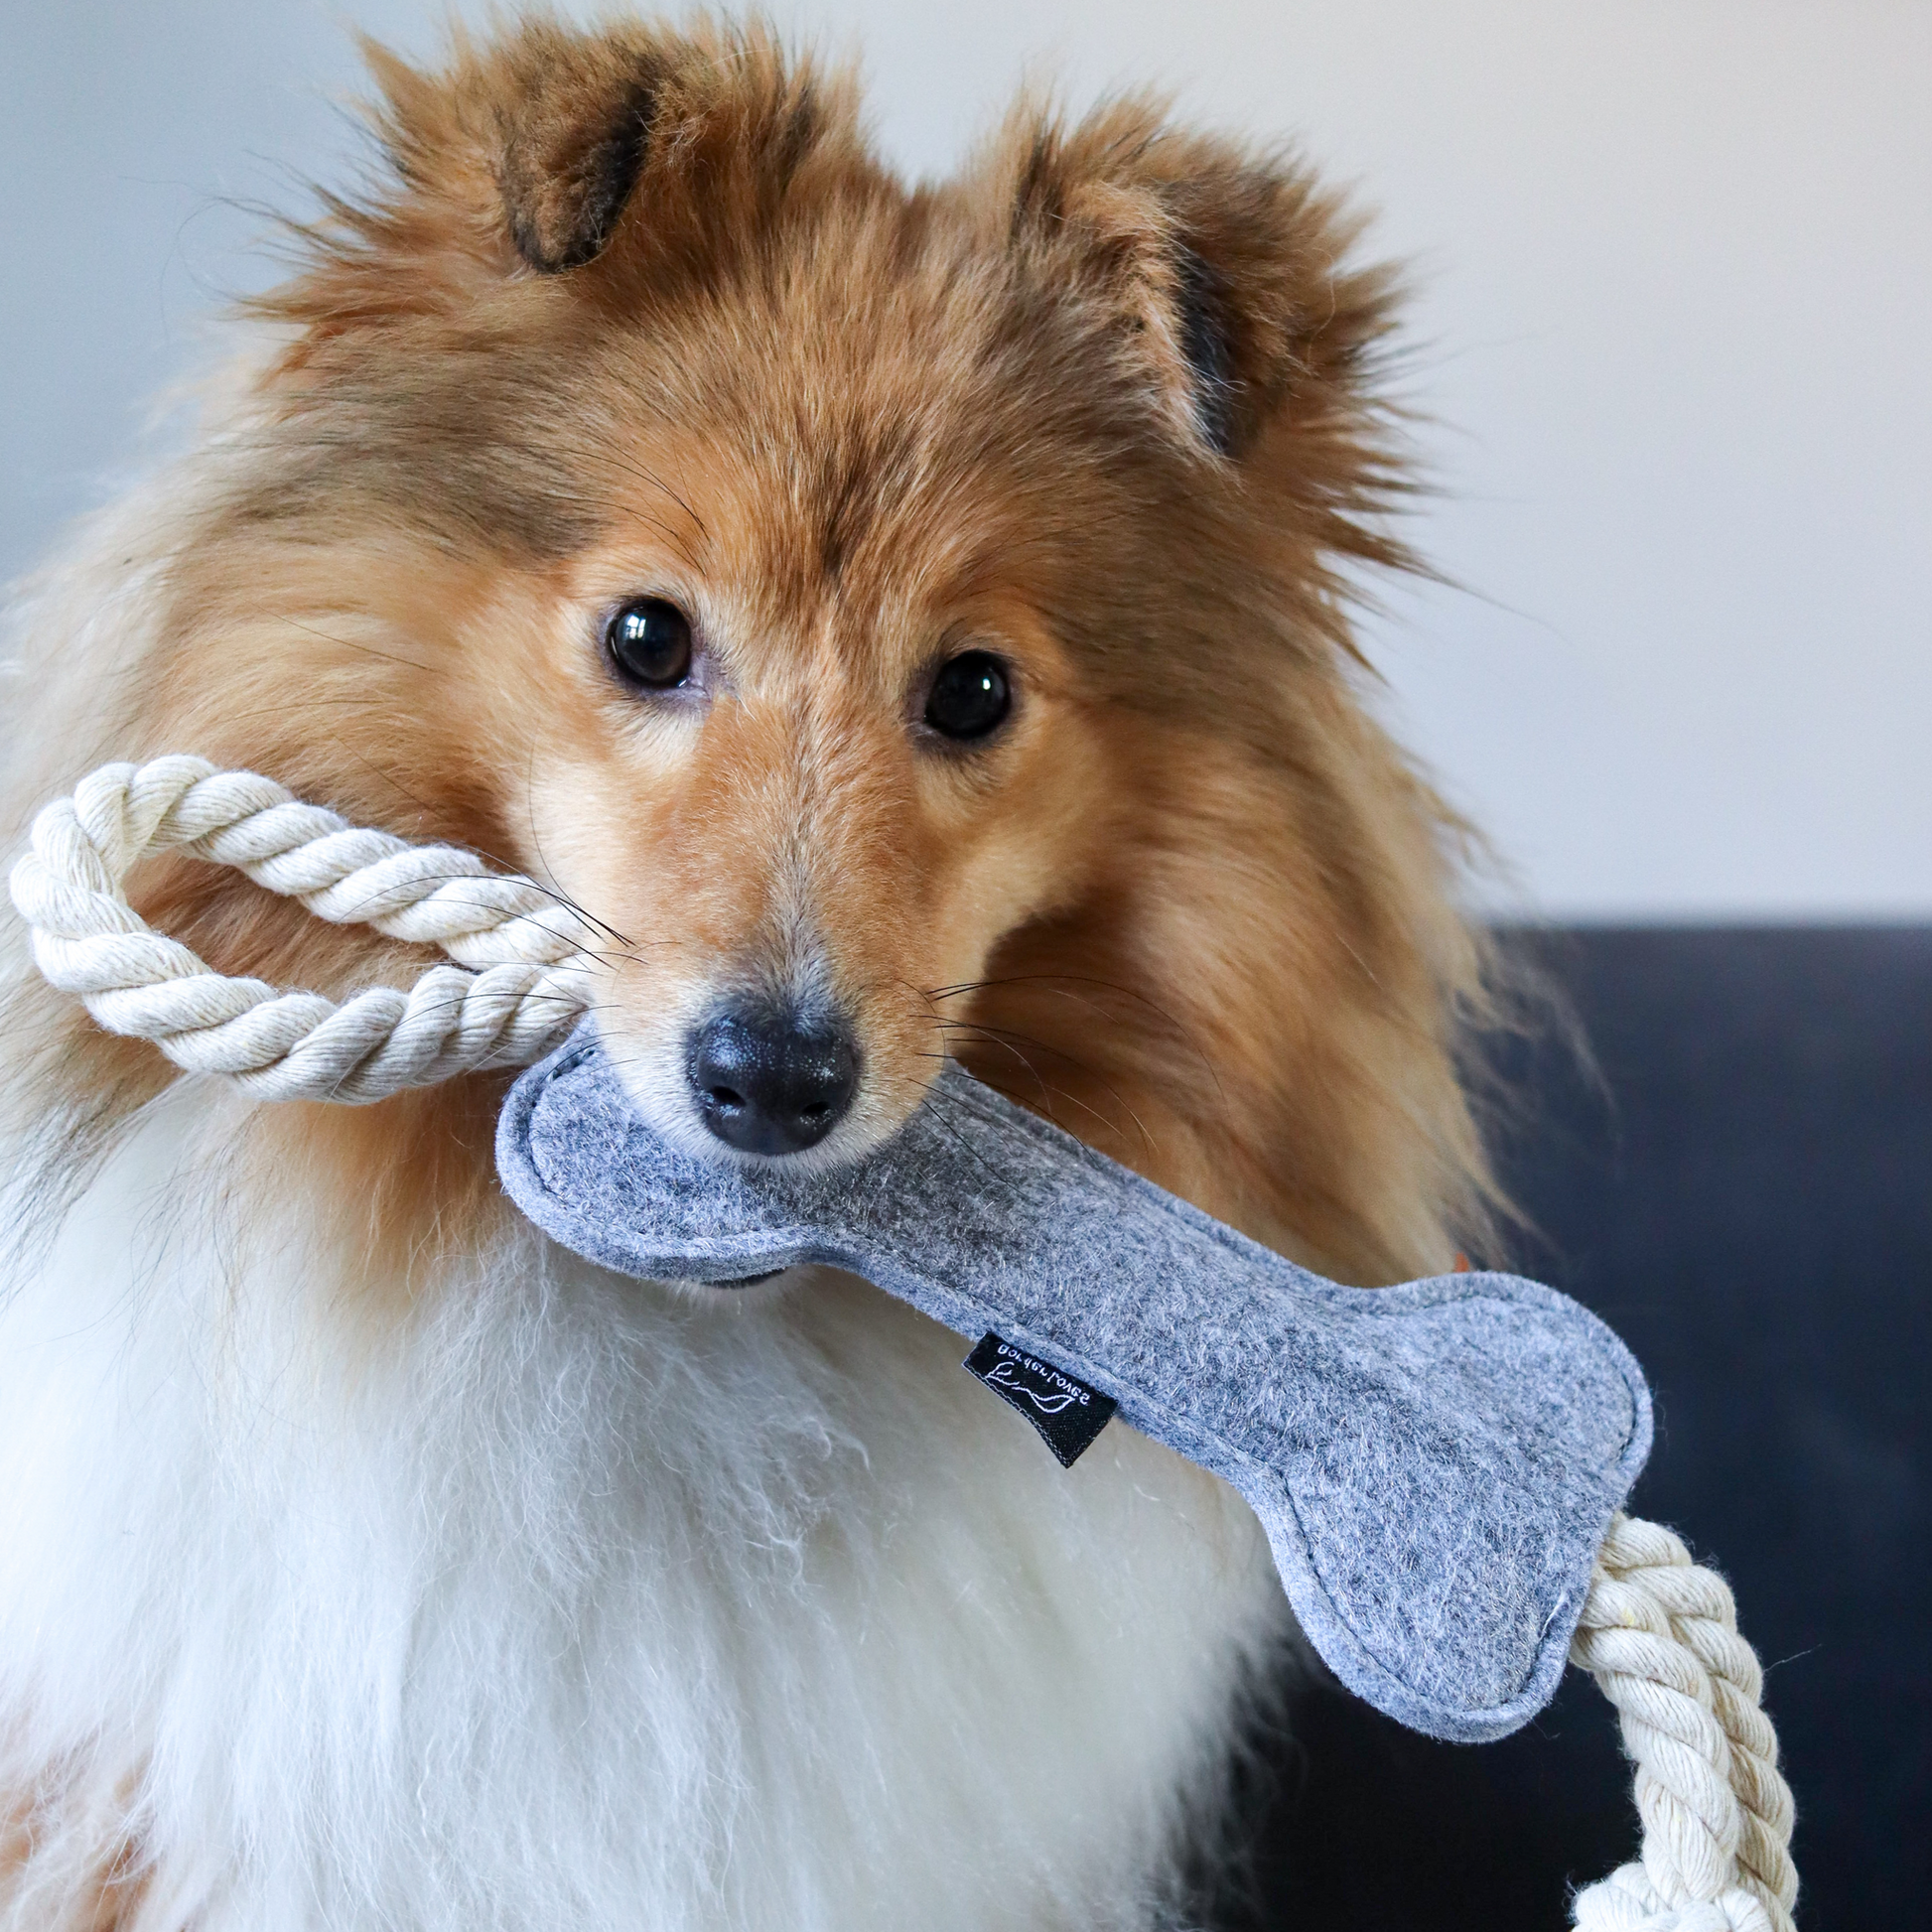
572,130
531,156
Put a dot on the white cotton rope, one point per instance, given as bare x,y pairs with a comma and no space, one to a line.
519,988
1658,1633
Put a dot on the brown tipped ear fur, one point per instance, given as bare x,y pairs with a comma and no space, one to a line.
548,151
1213,266
572,120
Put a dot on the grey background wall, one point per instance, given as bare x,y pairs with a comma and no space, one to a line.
1673,280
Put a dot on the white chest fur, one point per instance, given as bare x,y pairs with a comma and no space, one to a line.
572,1601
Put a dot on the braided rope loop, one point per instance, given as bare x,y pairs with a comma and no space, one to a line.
1659,1634
525,985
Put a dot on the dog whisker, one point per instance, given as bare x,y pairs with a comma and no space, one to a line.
1052,982
937,1103
657,482
536,842
1004,1034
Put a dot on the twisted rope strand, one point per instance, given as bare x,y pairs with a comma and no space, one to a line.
1659,1634
526,985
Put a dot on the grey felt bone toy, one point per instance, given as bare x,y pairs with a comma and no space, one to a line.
1434,1464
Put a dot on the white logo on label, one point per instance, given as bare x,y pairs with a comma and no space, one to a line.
1007,1374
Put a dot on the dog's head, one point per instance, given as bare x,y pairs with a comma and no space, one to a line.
844,595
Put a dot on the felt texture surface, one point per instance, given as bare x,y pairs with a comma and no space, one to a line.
1434,1464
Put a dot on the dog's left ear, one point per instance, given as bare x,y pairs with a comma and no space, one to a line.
1211,274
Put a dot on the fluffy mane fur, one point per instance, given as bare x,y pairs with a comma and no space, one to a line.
371,1563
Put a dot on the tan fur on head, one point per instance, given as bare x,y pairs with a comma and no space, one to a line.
1104,405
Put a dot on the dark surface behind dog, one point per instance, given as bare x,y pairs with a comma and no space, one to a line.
1747,1200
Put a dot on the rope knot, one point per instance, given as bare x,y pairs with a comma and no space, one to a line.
1659,1634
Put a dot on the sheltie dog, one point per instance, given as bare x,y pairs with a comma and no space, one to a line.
900,622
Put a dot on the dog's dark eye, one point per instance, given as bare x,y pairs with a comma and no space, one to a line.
970,696
649,641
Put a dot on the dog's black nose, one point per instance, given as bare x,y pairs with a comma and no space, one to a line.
768,1080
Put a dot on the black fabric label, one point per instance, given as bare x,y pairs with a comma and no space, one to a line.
1065,1411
